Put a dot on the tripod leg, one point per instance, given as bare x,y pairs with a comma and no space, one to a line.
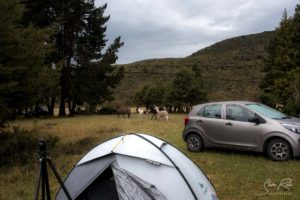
45,181
59,179
38,182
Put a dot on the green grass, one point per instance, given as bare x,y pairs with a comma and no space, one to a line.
235,175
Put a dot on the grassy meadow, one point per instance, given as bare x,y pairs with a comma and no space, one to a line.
235,175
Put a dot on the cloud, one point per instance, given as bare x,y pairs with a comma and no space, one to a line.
176,28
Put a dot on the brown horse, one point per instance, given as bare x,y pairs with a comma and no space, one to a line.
154,112
123,111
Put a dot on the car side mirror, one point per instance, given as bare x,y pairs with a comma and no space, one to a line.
255,120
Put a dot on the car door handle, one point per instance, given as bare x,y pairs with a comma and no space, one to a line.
228,124
199,121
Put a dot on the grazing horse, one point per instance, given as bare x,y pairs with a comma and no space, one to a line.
143,113
162,114
154,112
123,111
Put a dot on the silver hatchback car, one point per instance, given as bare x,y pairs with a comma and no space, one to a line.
243,125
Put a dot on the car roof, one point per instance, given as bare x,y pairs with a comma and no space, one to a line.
226,102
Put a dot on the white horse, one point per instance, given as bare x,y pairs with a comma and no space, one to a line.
162,114
142,112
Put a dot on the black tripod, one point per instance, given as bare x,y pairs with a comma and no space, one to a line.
42,178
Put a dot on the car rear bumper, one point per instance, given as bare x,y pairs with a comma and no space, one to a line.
296,149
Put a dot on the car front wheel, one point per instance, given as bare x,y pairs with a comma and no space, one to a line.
194,143
279,150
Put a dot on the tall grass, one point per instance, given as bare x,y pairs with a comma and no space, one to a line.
235,175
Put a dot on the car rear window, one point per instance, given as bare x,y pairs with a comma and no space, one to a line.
211,111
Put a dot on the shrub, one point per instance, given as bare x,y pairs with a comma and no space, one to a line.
19,146
107,110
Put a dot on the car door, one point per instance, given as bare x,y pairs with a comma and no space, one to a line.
209,120
241,131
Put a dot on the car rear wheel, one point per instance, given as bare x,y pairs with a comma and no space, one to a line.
279,150
194,142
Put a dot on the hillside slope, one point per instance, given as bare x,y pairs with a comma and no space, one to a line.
232,69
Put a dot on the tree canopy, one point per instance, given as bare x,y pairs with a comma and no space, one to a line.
22,53
280,86
187,88
81,55
150,95
53,50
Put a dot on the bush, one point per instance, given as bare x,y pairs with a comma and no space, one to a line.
107,110
19,146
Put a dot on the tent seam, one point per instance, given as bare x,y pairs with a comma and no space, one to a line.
176,167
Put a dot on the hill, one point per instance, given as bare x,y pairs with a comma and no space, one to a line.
232,69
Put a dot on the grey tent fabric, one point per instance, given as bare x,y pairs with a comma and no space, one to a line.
104,186
118,184
83,175
131,187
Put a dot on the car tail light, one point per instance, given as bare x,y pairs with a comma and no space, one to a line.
186,120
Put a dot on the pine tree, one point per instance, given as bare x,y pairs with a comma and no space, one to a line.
293,105
86,71
22,52
278,65
295,36
281,85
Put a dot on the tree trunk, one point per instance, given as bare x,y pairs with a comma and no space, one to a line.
62,111
92,109
36,110
72,107
19,111
51,105
64,90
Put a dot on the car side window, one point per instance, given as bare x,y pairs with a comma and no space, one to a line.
211,111
239,113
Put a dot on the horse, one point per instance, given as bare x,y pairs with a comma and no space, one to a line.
143,113
162,114
123,111
153,111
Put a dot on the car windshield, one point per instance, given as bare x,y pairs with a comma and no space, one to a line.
267,111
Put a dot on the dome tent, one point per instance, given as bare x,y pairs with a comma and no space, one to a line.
136,166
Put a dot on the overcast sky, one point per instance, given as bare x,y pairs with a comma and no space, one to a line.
177,28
